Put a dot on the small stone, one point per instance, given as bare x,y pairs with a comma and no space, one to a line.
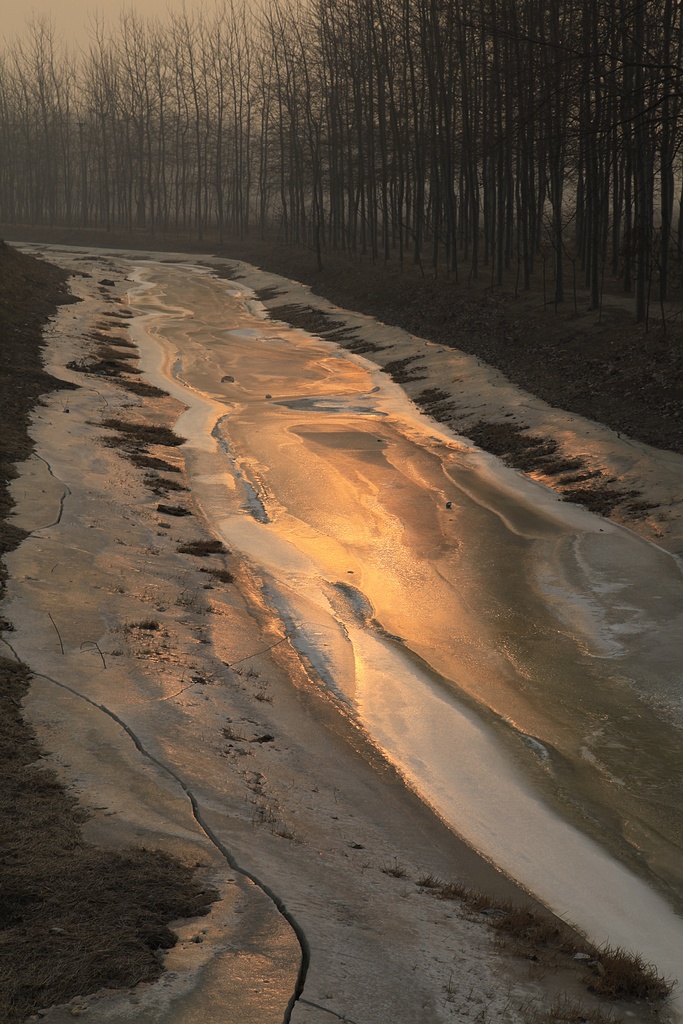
269,396
582,956
107,282
227,379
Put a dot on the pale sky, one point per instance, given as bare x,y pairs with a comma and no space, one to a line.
71,16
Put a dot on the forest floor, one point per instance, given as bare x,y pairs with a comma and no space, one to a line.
597,363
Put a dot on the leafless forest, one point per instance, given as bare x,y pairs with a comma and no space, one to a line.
474,137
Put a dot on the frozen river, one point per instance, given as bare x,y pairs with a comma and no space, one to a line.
518,659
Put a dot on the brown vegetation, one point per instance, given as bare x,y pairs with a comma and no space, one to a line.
202,548
133,440
613,973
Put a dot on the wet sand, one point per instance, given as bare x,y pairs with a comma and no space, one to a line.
303,810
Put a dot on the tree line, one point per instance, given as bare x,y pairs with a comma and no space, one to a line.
469,137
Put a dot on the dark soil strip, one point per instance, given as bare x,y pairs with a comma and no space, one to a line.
315,321
30,292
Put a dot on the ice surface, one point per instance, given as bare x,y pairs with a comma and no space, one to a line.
511,601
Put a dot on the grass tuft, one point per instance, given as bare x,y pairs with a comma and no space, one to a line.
161,485
395,869
619,974
144,433
173,510
429,882
568,1011
149,624
234,735
222,575
616,973
151,462
202,548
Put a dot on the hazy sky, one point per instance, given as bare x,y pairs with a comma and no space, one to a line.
71,16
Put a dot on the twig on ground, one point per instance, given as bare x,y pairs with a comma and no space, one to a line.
94,644
59,635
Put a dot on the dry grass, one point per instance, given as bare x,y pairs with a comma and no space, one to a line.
202,548
179,511
234,735
614,973
141,434
191,601
140,388
107,339
221,575
395,869
161,485
403,371
107,361
144,461
133,440
429,882
619,974
569,1011
30,292
534,454
110,362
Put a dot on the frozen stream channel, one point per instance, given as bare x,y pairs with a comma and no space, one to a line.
517,658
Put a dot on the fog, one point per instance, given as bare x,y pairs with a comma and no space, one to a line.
72,18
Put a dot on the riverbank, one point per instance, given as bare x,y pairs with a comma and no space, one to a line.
145,520
76,915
